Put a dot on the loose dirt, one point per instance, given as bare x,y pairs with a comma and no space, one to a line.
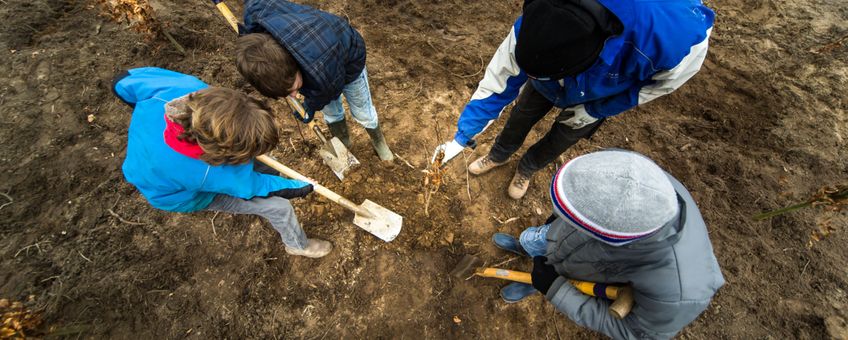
763,125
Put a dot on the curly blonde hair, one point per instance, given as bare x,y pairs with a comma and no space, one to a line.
230,127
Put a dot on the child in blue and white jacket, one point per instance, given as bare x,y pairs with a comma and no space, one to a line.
591,59
191,147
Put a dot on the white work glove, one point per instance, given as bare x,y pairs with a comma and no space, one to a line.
451,149
580,119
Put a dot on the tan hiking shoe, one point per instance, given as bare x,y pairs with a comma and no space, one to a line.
482,165
314,249
518,186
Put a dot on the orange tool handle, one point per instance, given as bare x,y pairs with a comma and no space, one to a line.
622,295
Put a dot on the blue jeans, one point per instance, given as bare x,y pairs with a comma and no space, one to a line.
534,240
358,96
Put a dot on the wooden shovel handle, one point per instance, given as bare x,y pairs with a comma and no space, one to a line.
298,109
320,189
622,295
225,11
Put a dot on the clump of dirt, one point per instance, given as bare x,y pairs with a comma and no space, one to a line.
761,126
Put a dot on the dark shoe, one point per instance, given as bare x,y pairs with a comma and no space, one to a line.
515,292
379,143
339,129
508,243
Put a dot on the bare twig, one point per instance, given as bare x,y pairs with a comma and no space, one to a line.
83,256
467,176
174,42
831,46
511,219
459,75
296,123
113,213
556,326
213,223
27,249
50,278
505,261
8,198
405,161
805,268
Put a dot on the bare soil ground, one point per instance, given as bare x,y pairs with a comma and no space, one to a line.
762,125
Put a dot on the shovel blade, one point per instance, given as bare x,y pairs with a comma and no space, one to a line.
466,267
337,157
385,224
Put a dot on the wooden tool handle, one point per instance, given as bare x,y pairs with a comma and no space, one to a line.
622,296
623,304
505,274
298,109
320,189
225,11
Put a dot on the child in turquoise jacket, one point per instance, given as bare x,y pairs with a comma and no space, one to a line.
191,147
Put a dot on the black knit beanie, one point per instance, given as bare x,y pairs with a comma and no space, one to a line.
562,38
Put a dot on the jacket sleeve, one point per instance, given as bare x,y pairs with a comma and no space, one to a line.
499,87
243,182
143,83
587,311
660,84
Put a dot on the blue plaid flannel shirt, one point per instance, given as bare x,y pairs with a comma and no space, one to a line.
329,51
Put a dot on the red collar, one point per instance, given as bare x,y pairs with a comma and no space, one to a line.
172,130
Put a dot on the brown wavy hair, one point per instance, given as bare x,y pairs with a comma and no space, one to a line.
230,126
266,65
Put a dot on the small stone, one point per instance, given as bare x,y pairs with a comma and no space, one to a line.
457,320
836,327
449,237
91,118
538,211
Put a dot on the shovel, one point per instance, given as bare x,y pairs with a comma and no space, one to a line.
370,216
470,266
333,152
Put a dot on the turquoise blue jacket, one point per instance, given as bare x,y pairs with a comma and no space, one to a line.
169,180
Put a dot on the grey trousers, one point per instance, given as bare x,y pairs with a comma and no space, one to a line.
276,210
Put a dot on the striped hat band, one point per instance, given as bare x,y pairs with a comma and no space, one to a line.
566,210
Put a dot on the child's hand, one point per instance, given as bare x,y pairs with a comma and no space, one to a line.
293,192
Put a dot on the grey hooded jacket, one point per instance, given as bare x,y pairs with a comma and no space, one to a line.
673,273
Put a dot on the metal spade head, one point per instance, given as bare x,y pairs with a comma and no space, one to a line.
466,267
384,223
337,157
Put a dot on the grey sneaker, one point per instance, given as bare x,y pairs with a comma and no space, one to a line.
315,248
518,186
482,165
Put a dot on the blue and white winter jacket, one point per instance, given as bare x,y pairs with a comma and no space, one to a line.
328,50
662,45
167,179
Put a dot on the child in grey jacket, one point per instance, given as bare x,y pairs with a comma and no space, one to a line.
619,218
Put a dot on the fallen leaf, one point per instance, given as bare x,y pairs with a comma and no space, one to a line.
457,320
